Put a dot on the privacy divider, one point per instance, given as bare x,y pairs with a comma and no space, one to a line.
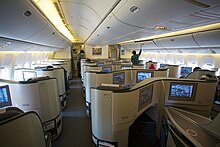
114,109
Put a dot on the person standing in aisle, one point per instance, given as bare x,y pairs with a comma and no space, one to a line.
80,56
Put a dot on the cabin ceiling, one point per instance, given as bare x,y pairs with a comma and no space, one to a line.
104,22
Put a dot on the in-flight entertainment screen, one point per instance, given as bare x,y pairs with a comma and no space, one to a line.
119,78
182,91
141,75
185,70
107,69
126,66
5,97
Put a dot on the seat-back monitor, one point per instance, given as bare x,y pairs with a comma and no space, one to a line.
107,69
141,75
185,70
100,64
145,96
119,78
182,91
29,74
5,97
126,66
163,65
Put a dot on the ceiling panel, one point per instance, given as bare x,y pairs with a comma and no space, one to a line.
126,25
85,15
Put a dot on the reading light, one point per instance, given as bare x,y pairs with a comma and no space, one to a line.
51,12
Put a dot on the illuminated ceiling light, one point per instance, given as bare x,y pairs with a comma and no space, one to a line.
51,12
182,32
160,28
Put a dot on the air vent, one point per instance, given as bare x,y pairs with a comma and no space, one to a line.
134,9
27,13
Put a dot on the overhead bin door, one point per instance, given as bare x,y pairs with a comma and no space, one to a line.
183,41
15,24
208,38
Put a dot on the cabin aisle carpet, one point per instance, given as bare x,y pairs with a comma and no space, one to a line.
76,131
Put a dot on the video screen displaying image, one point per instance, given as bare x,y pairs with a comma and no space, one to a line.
183,91
145,96
99,64
126,66
107,69
163,65
119,78
186,70
29,74
5,99
143,75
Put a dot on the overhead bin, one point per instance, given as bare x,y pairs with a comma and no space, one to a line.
149,9
183,41
16,24
51,37
14,45
209,2
149,45
208,38
25,23
146,45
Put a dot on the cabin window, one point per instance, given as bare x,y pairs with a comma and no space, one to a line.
28,58
170,59
192,61
179,60
19,63
3,73
208,62
7,68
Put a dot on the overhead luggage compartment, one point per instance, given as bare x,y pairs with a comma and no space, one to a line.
21,21
208,38
49,36
149,45
183,41
25,23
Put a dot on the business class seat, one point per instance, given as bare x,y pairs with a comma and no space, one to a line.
19,129
9,112
190,129
199,73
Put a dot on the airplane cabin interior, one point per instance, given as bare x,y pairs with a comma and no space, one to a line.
109,73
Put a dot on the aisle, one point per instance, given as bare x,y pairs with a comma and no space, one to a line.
76,130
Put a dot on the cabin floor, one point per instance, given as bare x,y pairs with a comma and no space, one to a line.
76,131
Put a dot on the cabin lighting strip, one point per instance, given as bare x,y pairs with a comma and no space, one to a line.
49,10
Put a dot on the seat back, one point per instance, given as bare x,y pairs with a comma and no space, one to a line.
9,112
22,130
199,73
